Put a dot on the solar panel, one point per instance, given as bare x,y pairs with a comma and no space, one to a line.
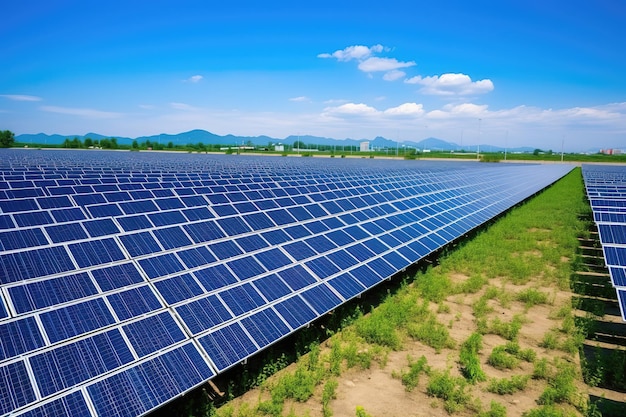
128,279
606,191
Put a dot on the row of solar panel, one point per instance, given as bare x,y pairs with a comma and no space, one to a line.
606,190
231,296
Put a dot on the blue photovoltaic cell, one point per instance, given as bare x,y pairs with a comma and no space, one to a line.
228,345
273,259
167,218
151,383
297,277
366,276
104,210
322,267
265,327
241,299
172,237
321,298
295,311
161,265
19,239
68,365
233,226
100,227
66,232
68,215
35,218
203,314
133,302
215,277
17,390
272,287
117,276
621,297
96,252
41,294
347,286
76,319
618,276
70,405
259,221
6,222
20,336
299,250
251,243
132,223
141,243
196,257
153,333
615,255
34,263
178,288
203,231
226,249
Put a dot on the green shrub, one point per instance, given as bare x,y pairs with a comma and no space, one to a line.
548,411
432,333
469,360
411,379
561,388
329,393
508,385
541,369
360,411
531,297
506,330
495,410
450,389
501,359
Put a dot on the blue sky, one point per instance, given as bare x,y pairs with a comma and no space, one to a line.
507,73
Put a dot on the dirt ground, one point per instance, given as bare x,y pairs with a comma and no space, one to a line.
380,394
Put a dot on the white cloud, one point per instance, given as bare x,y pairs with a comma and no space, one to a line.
376,64
301,99
406,109
21,97
194,79
451,84
357,52
82,112
183,106
352,109
147,106
394,75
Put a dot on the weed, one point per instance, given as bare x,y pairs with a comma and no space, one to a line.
508,385
532,297
411,379
360,412
501,359
432,333
506,330
329,393
550,340
469,360
561,388
336,358
541,369
472,285
548,411
448,388
495,410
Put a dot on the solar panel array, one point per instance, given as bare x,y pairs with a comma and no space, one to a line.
606,191
128,279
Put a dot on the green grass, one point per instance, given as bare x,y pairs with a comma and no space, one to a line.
469,360
510,385
411,378
452,390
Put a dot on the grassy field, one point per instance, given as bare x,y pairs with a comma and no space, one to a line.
487,331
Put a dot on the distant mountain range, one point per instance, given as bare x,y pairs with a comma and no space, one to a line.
208,138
